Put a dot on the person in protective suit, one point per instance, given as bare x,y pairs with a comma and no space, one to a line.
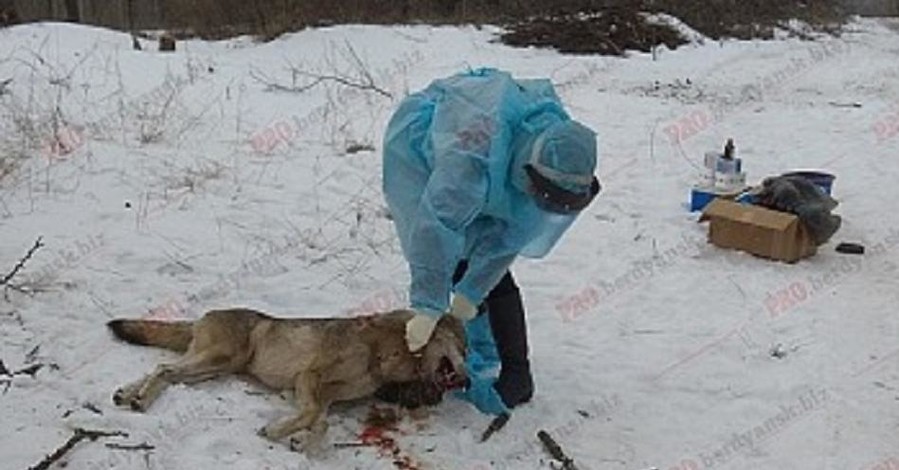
480,168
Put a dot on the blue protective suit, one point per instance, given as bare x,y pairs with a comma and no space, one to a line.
481,367
452,178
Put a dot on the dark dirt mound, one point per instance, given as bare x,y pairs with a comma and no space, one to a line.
608,32
755,19
582,27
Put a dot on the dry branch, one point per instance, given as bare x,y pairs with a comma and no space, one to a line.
351,445
77,436
21,264
6,280
141,446
315,80
360,78
30,371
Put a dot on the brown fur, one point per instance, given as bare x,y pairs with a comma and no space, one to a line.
174,335
322,360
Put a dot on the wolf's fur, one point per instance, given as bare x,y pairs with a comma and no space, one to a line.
322,360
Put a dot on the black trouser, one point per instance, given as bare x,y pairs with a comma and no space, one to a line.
509,328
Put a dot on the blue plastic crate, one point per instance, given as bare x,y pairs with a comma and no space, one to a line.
699,199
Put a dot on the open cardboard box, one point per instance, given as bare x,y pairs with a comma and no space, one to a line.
757,230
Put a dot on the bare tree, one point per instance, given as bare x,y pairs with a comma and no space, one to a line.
72,12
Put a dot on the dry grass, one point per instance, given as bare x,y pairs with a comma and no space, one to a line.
8,166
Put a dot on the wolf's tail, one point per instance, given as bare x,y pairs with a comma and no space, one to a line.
174,335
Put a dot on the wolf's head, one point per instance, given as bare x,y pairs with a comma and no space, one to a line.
443,358
421,378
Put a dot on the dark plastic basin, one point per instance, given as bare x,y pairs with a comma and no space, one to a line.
819,178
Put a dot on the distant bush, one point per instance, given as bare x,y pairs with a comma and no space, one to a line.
747,19
610,28
269,18
611,31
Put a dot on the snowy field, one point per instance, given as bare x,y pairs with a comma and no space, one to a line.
167,184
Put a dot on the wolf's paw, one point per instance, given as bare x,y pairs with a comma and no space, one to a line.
137,404
125,396
269,432
118,398
299,442
308,442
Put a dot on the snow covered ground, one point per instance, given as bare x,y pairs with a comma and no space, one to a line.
167,184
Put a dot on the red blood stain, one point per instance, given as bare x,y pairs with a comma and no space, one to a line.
378,436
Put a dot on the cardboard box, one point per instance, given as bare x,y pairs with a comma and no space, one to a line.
754,229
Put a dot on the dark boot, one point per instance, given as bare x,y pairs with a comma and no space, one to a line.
515,385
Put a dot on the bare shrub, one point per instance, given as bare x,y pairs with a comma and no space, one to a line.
750,19
216,19
267,19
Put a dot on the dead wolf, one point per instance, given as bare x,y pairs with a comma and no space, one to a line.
323,360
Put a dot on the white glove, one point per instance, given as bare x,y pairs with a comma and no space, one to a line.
462,308
419,329
421,326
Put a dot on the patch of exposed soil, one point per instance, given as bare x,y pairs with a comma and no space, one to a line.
608,32
612,30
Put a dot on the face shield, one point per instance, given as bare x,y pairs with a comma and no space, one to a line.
555,204
550,227
552,198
